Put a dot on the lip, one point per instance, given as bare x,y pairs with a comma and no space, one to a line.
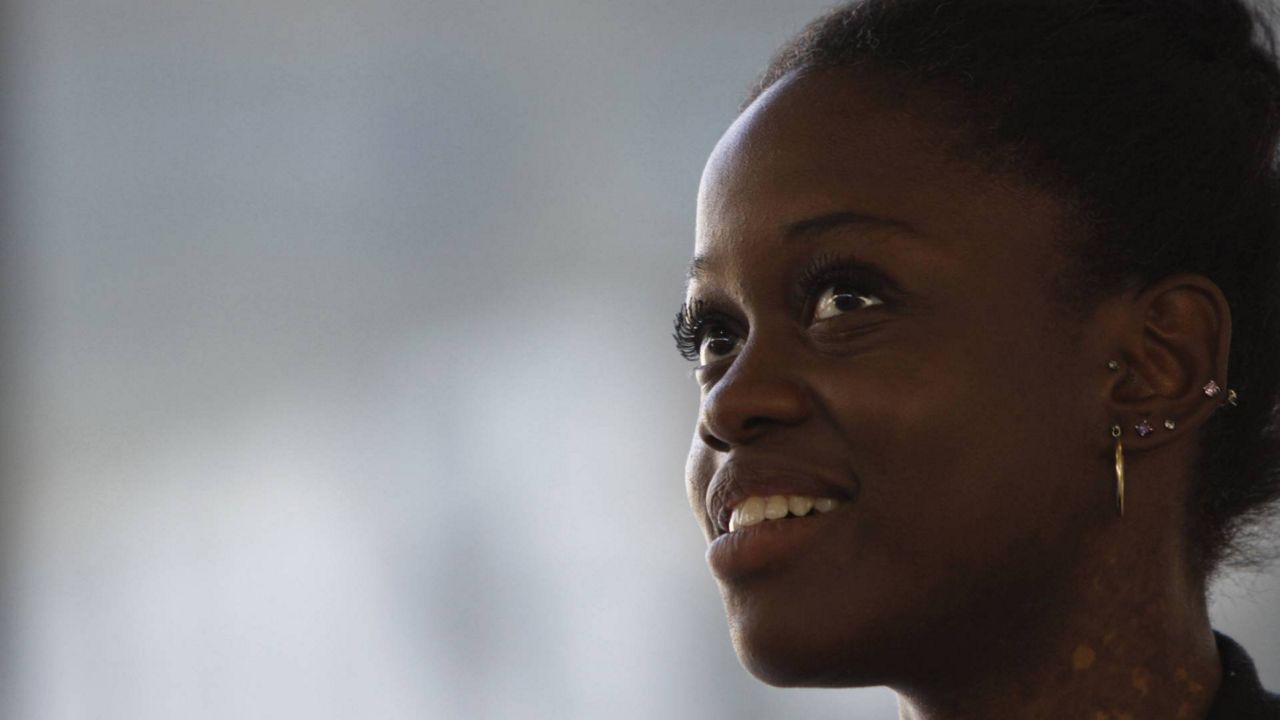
758,547
770,544
736,481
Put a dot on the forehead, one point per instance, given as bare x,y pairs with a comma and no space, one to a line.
831,142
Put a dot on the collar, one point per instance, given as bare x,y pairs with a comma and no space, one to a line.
1241,695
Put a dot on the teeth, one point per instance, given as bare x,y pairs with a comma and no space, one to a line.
775,507
755,510
750,512
799,505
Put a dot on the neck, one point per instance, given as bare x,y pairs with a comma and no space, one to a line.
1133,642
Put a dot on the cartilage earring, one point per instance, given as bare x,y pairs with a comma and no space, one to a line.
1115,433
1213,389
1170,424
1113,365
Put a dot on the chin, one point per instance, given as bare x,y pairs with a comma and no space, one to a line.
799,647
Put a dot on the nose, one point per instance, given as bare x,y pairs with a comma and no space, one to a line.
758,395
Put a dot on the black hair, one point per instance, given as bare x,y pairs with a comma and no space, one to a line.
1157,122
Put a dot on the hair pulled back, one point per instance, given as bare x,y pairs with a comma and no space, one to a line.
1157,121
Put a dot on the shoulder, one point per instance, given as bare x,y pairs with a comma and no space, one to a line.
1241,695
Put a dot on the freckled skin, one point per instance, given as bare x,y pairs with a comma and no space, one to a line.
1083,658
1141,680
982,548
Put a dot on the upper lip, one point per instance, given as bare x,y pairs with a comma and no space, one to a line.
736,481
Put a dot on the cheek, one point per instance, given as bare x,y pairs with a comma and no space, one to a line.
699,468
959,461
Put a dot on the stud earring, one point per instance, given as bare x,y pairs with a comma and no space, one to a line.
1113,365
1115,433
1213,389
1170,424
1143,428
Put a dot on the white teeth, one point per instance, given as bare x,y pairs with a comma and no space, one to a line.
825,505
775,507
755,510
799,505
750,512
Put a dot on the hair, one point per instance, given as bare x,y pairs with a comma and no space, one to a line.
1157,122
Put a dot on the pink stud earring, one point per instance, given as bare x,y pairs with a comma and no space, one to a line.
1212,389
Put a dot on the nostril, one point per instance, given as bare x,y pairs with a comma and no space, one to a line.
712,441
751,402
751,428
754,427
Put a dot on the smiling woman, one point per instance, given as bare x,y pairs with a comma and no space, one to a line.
984,305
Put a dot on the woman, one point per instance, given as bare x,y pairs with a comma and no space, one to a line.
985,309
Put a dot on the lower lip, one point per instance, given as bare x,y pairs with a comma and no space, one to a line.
768,545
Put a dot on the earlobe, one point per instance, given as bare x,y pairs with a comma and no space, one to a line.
1179,342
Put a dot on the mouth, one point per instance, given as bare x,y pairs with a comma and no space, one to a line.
742,495
764,514
756,509
762,544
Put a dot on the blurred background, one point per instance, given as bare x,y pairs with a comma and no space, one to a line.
338,375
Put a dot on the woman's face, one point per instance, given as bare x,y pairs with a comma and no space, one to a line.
876,324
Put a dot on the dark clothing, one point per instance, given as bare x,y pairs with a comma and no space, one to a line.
1241,696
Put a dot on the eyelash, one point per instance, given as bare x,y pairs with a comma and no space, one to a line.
691,324
829,269
694,319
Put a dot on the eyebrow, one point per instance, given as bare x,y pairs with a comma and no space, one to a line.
824,223
808,229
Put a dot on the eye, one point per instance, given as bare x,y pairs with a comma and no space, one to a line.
842,298
717,344
706,334
834,285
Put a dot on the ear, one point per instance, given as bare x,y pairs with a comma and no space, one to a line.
1178,338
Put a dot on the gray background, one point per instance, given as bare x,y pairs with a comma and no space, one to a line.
339,365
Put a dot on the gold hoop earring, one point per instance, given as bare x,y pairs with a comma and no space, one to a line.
1115,433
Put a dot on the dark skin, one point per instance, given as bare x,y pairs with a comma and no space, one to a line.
978,566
